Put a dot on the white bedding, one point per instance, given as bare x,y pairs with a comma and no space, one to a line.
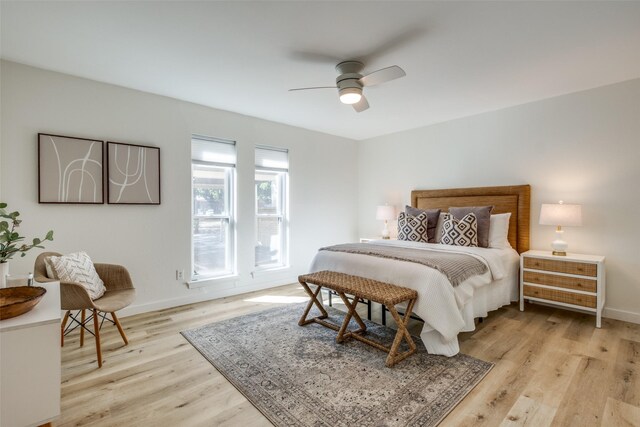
446,310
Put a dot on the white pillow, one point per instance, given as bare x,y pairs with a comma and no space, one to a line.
77,267
499,231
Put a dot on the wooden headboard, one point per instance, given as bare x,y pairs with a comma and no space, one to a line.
514,199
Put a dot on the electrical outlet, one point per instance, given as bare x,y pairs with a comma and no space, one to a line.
179,274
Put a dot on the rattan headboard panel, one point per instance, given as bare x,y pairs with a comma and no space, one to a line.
514,199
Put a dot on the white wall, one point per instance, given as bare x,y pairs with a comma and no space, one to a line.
582,148
154,241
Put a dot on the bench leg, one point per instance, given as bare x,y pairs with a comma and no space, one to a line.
342,333
314,300
402,332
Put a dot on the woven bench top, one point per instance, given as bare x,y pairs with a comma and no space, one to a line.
384,293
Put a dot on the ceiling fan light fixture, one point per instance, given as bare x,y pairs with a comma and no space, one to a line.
350,95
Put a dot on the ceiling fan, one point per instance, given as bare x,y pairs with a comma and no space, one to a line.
350,82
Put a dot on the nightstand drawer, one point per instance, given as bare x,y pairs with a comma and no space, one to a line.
562,266
588,285
560,296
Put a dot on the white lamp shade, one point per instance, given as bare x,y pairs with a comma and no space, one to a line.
561,214
385,212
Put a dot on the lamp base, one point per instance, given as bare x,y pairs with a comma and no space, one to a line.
385,231
559,246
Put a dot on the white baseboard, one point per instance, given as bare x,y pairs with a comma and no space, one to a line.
210,294
627,316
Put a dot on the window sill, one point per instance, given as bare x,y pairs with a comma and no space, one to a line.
261,271
212,280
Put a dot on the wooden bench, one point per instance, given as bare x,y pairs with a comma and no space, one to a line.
361,288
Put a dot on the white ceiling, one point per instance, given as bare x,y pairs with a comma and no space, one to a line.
461,58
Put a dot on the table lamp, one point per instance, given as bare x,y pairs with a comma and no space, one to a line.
385,213
560,214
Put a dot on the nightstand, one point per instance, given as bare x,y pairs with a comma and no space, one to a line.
369,239
573,281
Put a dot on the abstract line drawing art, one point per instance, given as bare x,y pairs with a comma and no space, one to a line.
133,173
70,170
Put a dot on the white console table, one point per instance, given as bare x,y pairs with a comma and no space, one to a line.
30,363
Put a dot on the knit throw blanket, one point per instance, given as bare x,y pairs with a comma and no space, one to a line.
455,266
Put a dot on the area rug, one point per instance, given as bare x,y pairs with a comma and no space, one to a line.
299,376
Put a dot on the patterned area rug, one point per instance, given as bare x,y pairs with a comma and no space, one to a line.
299,376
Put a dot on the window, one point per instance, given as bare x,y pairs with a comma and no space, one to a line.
271,188
213,222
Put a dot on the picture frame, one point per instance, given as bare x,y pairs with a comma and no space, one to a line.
70,170
133,174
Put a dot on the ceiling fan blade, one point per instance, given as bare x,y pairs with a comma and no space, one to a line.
316,57
316,87
361,105
397,42
382,76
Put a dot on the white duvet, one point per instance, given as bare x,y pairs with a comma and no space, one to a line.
446,310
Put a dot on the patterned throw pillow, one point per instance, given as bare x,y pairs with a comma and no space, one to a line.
432,215
77,267
459,232
413,228
483,216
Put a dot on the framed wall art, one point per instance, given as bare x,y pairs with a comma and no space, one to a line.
70,170
133,174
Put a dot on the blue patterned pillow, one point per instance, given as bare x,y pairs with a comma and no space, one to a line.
459,232
413,228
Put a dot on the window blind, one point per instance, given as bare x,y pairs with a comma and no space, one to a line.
213,150
272,158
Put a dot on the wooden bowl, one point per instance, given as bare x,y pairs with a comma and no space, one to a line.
19,300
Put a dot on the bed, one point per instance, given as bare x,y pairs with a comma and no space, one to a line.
445,309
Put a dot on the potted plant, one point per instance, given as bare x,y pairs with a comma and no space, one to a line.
10,241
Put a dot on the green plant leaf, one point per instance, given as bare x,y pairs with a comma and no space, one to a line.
9,237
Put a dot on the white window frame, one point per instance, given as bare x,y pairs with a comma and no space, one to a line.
230,217
283,216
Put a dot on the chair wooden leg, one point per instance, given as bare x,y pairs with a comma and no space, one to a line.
82,319
96,331
62,326
117,322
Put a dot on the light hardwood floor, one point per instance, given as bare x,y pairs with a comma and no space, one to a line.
552,367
